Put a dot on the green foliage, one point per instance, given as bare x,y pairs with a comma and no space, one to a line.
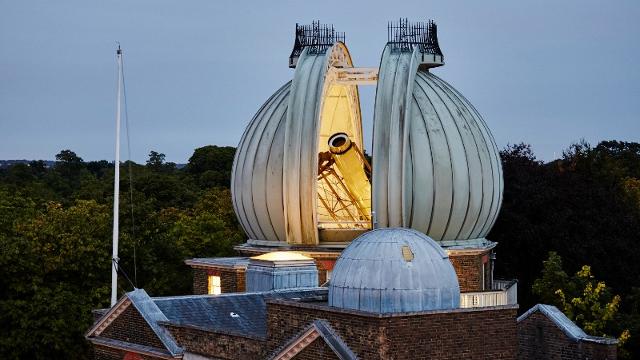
553,278
584,207
592,309
54,274
55,243
55,236
581,206
211,163
586,301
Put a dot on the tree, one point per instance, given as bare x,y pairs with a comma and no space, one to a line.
553,279
212,165
586,301
68,171
156,160
68,157
98,168
209,229
55,271
55,243
68,163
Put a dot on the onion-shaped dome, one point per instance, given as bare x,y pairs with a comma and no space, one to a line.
274,180
392,270
257,171
436,166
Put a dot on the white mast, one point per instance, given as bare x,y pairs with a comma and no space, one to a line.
116,186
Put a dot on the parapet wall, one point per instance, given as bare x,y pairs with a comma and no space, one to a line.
488,333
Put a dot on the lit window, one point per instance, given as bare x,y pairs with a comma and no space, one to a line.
214,285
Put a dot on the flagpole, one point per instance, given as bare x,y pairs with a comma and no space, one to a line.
116,186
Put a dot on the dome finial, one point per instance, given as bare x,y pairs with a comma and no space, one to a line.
318,37
405,36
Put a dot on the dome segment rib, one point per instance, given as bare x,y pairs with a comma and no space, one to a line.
254,192
436,167
275,171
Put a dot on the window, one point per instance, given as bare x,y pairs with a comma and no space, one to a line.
214,285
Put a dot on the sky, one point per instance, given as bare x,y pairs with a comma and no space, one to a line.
547,73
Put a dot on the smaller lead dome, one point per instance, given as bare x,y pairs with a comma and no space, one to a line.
394,270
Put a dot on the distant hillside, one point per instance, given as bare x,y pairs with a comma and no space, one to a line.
48,163
9,163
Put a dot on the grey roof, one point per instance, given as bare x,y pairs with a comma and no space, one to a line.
334,341
225,262
243,314
153,315
394,270
144,349
573,331
474,244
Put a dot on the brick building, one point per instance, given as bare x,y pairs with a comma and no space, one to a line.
346,259
544,332
394,295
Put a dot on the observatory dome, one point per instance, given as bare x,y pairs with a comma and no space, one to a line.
286,185
436,165
394,270
301,177
257,170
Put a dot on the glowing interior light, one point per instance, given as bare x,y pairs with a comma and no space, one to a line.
282,256
214,285
344,190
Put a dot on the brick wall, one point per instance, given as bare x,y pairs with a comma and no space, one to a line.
485,334
131,327
200,285
107,353
469,271
361,333
540,338
220,346
230,280
317,350
488,333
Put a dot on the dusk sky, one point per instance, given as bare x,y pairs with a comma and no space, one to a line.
546,73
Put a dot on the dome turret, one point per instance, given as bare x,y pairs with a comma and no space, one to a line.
394,270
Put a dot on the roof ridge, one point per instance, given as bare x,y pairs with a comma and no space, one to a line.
322,329
571,329
335,342
153,315
290,341
276,291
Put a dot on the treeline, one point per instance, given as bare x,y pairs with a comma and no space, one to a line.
585,207
55,240
55,233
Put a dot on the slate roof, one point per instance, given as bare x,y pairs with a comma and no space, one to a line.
143,349
225,262
243,314
573,331
140,300
153,315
